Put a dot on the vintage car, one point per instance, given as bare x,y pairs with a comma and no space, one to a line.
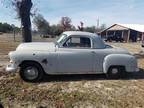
74,52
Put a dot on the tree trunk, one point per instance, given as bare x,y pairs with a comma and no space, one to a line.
26,29
24,10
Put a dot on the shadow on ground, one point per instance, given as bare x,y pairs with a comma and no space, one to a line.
57,78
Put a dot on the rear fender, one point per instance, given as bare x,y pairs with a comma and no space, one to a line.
125,60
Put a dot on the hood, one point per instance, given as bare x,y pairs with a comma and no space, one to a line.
37,46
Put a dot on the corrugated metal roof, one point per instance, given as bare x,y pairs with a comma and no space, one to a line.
117,27
137,27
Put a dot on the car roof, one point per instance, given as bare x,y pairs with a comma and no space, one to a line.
81,33
97,41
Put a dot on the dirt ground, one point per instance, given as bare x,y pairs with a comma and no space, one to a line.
75,91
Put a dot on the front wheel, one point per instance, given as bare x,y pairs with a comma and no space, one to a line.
31,72
116,72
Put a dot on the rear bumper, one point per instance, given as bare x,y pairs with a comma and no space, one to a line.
11,68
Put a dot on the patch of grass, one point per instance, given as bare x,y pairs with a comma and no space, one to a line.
112,94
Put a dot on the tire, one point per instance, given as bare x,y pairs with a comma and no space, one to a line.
31,72
116,72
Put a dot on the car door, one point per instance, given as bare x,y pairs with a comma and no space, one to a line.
99,55
75,57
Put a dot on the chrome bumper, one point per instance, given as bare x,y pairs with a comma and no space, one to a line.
11,68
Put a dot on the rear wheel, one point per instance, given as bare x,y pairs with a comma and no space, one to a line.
116,72
31,72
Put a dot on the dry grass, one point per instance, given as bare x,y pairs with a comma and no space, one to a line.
85,91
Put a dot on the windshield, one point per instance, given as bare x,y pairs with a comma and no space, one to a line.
62,38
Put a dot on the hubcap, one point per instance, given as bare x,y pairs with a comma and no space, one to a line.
114,71
31,73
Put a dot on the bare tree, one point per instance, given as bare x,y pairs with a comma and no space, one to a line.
23,9
81,27
66,23
41,24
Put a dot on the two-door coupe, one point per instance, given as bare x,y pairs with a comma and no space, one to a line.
74,52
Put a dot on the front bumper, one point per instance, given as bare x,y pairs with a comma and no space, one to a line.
11,68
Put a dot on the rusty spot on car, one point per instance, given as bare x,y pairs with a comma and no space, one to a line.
44,61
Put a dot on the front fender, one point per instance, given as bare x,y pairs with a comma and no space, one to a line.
17,57
128,61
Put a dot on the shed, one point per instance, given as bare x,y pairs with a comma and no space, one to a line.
128,32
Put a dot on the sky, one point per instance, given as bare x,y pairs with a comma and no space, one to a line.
87,11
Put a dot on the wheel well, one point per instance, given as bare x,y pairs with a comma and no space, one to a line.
30,61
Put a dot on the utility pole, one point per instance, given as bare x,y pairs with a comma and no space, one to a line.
97,25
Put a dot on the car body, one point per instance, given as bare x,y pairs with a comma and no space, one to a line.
74,52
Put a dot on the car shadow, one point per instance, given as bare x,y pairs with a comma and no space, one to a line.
135,75
66,78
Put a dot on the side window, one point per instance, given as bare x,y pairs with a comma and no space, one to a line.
82,42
